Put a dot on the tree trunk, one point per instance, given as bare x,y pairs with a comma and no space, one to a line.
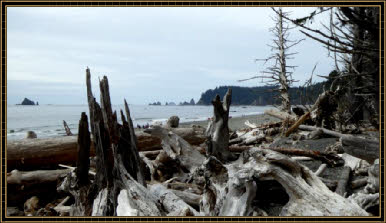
283,80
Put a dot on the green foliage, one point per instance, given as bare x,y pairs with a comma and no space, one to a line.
264,95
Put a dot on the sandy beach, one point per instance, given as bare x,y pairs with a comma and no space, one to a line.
236,123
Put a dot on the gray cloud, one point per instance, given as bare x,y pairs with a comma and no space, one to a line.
148,54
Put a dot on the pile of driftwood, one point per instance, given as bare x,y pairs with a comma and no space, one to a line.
114,171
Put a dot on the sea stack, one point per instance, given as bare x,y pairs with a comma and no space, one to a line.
26,101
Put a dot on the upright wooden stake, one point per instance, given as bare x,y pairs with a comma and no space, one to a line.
67,129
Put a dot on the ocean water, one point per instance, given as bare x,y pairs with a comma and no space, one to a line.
47,120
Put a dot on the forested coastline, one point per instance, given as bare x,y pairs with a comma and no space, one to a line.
264,95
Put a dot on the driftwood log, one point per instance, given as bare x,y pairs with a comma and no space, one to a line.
36,153
16,177
328,158
295,126
324,130
21,185
365,149
280,115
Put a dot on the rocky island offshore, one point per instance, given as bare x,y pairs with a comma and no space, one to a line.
27,101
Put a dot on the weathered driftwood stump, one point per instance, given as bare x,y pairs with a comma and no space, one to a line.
230,189
218,130
84,142
77,183
119,187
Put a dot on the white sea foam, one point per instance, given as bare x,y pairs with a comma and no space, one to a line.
47,120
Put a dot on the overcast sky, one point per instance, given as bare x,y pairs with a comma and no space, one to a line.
148,54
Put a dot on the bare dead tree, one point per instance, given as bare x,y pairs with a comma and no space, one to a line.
352,36
279,72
